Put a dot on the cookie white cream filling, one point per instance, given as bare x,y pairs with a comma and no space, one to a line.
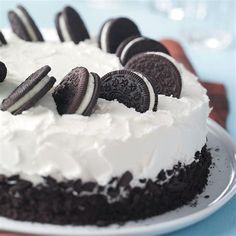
29,95
88,95
150,89
27,24
63,28
104,32
128,45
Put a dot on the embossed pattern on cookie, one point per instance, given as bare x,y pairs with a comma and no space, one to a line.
159,68
129,88
3,71
78,92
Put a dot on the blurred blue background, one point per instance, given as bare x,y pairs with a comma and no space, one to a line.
211,64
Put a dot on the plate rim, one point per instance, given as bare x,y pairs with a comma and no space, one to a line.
139,229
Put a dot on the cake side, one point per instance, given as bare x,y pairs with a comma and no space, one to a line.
87,203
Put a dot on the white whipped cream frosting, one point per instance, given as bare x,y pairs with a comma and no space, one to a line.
112,140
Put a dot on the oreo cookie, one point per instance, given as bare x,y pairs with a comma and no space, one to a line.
160,69
2,40
135,45
23,25
29,92
78,92
130,88
3,71
70,26
114,31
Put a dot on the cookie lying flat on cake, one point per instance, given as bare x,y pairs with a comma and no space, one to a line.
78,92
23,25
160,69
135,45
3,71
114,31
70,26
29,92
130,88
2,39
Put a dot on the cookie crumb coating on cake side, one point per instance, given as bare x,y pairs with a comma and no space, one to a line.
117,202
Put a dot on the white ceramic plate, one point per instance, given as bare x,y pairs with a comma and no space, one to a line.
221,188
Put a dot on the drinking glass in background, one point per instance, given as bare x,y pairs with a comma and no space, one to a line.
207,23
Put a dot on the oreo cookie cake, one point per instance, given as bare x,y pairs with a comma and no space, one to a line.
85,140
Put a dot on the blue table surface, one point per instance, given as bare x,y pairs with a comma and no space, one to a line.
211,65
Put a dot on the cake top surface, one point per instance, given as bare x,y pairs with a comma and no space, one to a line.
109,142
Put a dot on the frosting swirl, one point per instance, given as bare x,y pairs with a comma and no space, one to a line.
112,140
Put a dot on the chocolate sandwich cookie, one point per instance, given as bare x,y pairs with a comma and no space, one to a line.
130,88
3,71
70,26
29,92
2,39
78,92
23,25
124,42
135,45
114,31
160,69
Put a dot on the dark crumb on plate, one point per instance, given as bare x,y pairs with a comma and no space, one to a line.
193,203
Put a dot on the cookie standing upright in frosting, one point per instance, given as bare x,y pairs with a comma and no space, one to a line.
130,88
70,26
135,45
2,40
114,31
23,25
3,71
78,92
29,92
159,68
